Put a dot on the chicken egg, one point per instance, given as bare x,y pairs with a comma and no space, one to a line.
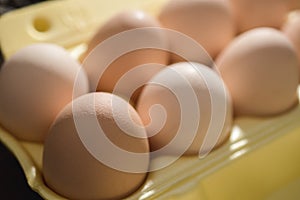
294,4
35,84
292,30
251,14
131,50
208,22
72,162
261,70
186,109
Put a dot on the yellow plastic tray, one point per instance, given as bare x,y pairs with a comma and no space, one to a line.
261,160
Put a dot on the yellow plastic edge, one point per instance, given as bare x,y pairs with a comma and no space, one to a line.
190,186
55,21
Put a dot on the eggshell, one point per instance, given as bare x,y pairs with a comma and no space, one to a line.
260,69
126,60
177,105
35,84
251,14
292,30
70,165
208,22
294,4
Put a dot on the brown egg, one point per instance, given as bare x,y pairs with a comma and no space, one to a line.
208,22
292,30
126,51
294,4
82,162
35,84
186,109
260,69
251,14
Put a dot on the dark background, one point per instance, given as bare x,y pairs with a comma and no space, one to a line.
13,184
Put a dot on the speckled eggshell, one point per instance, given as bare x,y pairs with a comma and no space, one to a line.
35,84
208,22
72,171
260,69
163,126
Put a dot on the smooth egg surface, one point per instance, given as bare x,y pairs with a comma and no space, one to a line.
207,22
35,84
129,40
261,71
294,4
292,30
186,109
249,14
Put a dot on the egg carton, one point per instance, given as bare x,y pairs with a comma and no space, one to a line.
260,160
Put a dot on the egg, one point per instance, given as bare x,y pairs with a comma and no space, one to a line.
126,51
251,14
186,109
83,161
261,71
35,84
292,30
294,4
207,22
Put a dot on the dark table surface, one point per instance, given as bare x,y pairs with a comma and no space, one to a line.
13,184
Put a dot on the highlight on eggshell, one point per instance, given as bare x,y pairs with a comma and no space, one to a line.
196,106
292,30
35,84
143,106
127,84
261,70
130,76
208,22
88,156
148,32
